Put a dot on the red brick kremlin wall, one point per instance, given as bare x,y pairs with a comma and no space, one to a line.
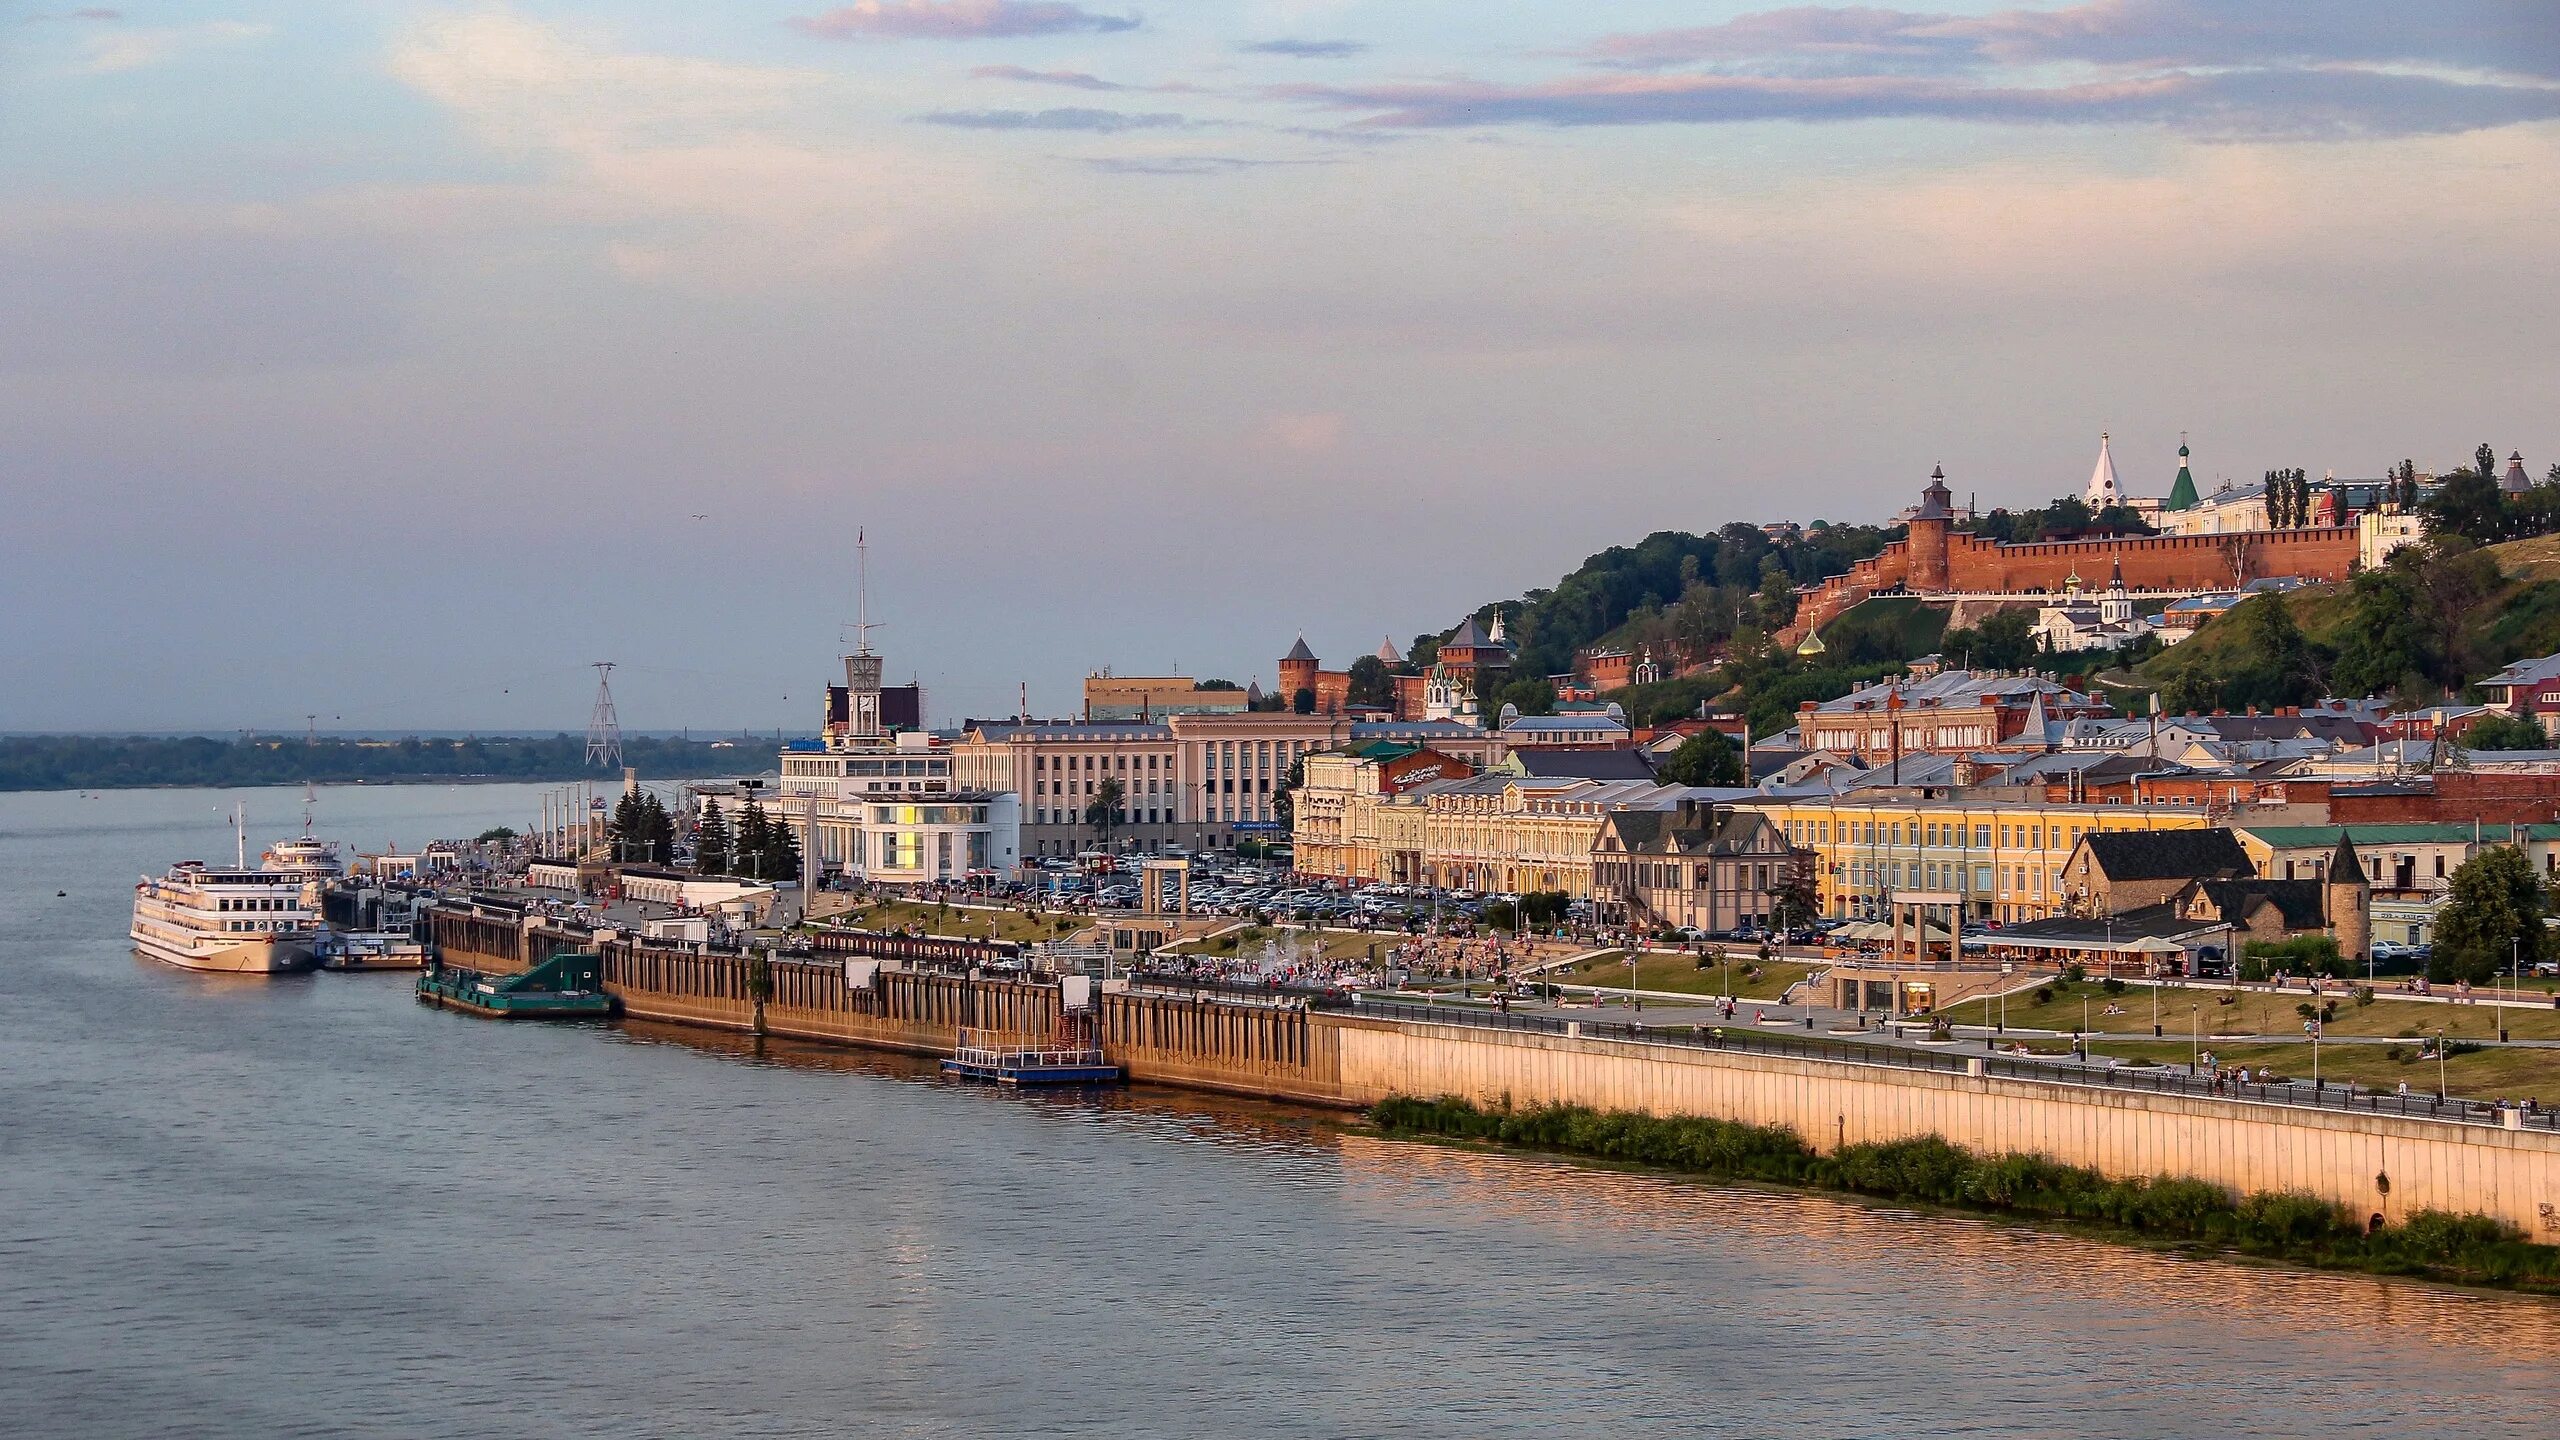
2155,562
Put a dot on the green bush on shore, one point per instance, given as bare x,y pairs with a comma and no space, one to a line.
2288,1226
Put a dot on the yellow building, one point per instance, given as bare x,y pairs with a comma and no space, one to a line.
2005,857
1510,834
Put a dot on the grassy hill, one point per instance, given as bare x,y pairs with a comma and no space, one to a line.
2508,608
1887,627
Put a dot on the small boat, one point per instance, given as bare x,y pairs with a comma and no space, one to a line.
568,986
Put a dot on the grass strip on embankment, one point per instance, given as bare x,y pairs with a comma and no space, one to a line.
2295,1228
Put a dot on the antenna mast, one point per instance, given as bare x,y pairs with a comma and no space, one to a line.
604,730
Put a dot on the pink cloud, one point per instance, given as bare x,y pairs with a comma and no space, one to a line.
959,20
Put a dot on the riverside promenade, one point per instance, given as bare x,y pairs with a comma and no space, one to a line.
2383,1156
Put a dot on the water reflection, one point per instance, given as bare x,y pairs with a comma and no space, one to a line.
1974,1262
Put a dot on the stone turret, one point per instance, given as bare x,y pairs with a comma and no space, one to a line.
2347,899
1928,543
1298,669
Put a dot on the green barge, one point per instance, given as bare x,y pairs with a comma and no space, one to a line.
568,986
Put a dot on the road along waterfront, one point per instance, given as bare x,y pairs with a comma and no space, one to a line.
310,1207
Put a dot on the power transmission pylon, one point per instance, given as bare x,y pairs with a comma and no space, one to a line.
604,732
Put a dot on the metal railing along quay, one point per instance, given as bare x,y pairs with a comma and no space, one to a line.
2164,1080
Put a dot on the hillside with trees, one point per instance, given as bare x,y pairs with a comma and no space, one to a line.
2422,628
108,762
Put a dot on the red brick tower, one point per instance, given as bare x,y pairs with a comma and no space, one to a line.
1929,526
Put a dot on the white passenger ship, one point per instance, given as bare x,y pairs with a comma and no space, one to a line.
236,920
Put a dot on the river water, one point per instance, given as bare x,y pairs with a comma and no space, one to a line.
308,1207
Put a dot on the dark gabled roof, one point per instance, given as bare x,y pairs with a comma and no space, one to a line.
1583,764
2344,867
1300,652
2166,854
1719,829
2298,901
1636,829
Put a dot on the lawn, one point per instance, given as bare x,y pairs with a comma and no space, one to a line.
1680,973
2496,1071
2255,1012
968,921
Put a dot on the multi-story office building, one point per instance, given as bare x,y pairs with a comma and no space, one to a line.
882,803
2006,858
1186,782
1503,833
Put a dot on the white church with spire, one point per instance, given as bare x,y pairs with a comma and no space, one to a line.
2083,621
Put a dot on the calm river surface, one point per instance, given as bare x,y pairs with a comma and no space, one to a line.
307,1207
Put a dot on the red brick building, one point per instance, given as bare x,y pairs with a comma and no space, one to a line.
2449,797
1938,559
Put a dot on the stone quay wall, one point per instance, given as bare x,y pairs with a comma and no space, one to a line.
2373,1164
916,1012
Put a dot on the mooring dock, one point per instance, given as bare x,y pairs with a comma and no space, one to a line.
1015,1058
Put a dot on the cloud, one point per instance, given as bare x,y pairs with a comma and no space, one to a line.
1186,164
959,20
2237,69
1306,49
2508,36
2266,105
684,170
1069,79
1101,122
114,52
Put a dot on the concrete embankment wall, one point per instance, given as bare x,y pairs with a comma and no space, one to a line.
2337,1155
913,1012
2371,1163
1277,1052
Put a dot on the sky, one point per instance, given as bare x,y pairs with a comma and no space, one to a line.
391,362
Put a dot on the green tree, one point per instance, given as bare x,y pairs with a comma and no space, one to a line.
2492,919
1533,696
1794,902
2276,665
781,853
2505,732
2468,505
2485,461
2385,643
495,834
711,841
2005,640
754,842
1304,701
2279,497
1106,812
1706,758
627,831
657,831
1371,683
1284,801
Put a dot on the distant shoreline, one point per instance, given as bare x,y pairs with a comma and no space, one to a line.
371,782
65,762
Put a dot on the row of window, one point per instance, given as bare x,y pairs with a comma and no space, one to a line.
258,902
1933,832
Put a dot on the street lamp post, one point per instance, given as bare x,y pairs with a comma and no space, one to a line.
2195,1039
2440,1062
2515,980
